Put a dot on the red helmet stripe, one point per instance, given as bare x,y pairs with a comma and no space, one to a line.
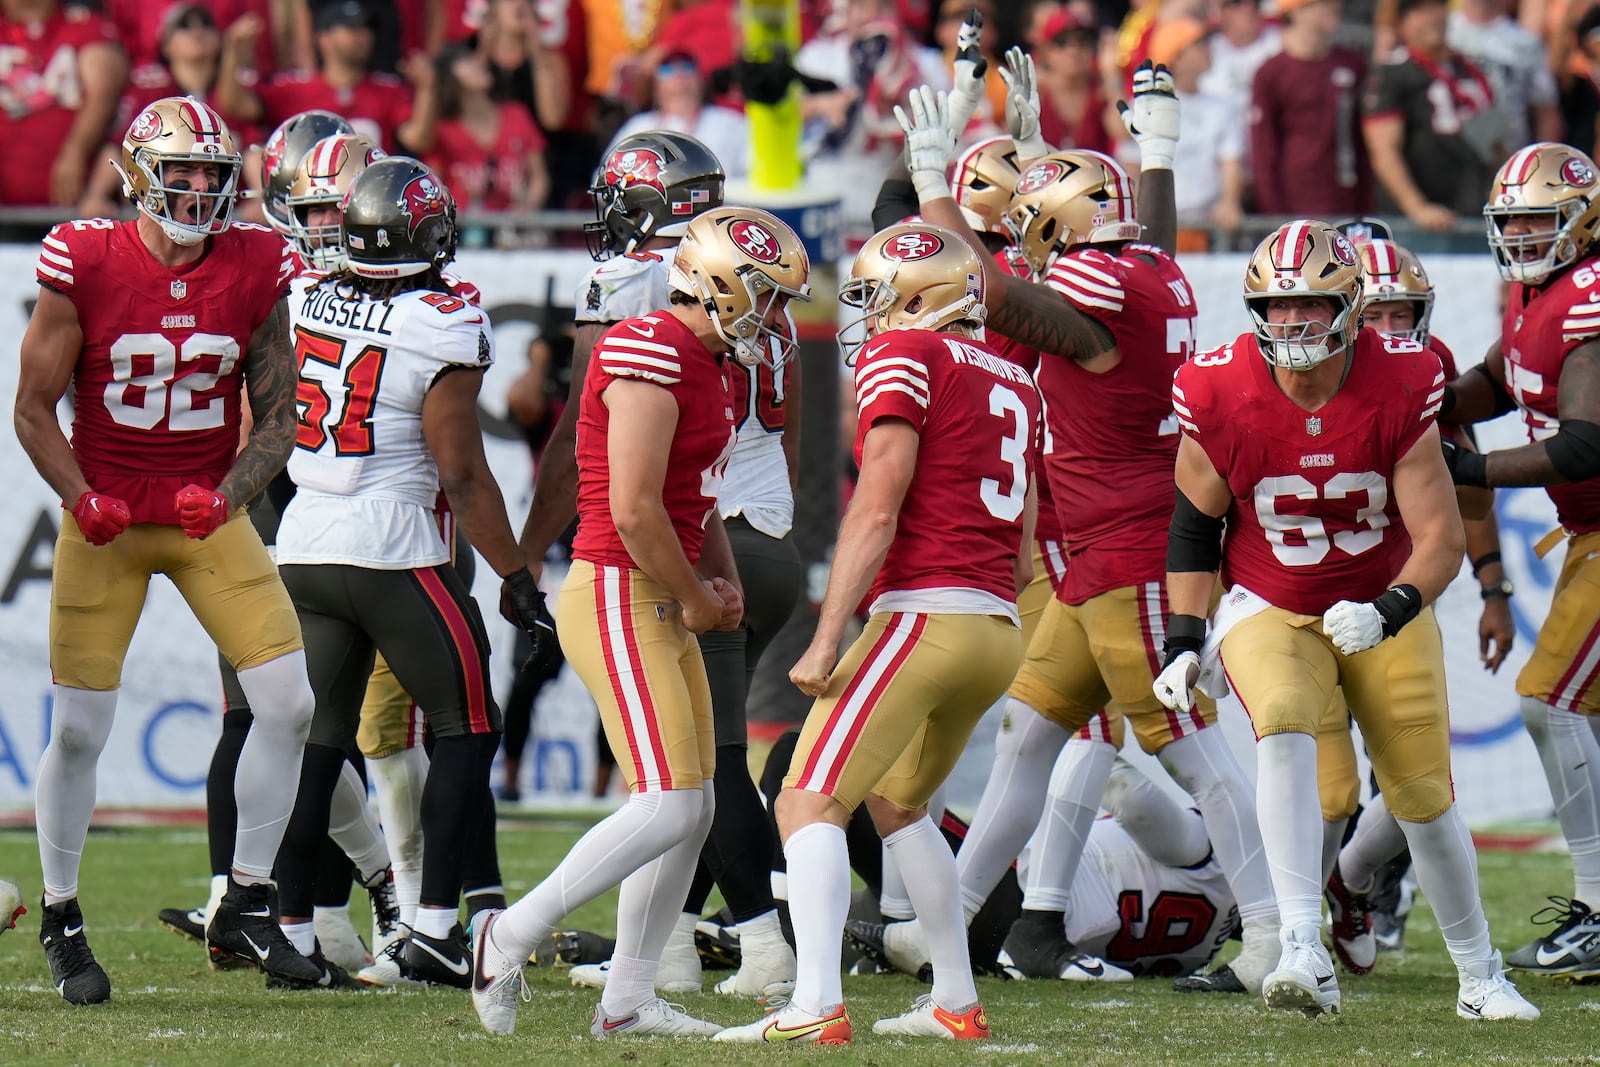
1384,262
1520,167
1294,246
325,162
203,119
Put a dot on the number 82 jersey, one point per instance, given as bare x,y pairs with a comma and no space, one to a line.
1313,519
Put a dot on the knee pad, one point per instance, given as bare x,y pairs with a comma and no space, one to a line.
81,720
674,814
1420,799
1536,718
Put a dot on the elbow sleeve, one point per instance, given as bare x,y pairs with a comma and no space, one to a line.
1194,540
1575,450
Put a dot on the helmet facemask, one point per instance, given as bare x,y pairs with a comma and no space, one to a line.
1421,310
1303,345
752,340
213,209
320,246
1517,256
613,233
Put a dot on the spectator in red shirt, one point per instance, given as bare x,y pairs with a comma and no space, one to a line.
141,25
490,154
1308,157
1072,108
379,106
708,30
61,73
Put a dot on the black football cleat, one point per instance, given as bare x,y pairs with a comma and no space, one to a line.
333,976
74,971
1221,980
190,924
245,927
438,960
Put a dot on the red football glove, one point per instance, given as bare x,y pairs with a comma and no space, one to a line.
101,517
200,511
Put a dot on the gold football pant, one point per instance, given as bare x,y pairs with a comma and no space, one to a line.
1564,670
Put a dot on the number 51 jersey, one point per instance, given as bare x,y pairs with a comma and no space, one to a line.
367,483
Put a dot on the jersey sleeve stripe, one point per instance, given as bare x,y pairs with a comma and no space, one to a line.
1095,273
1071,279
1580,333
1187,425
892,375
628,370
1178,392
1086,300
1428,413
59,246
916,366
905,368
64,277
625,341
1584,308
55,259
892,387
1181,409
608,355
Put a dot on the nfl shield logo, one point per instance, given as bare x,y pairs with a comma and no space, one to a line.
180,290
1314,426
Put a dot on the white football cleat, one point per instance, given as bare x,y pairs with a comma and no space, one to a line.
791,1023
1304,980
1350,922
590,975
927,1019
1262,949
655,1017
496,981
906,946
766,962
341,945
1486,993
385,971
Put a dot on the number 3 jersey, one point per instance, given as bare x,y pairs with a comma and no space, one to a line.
366,482
1313,519
156,390
977,417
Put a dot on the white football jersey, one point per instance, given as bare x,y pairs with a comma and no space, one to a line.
367,484
1143,916
756,483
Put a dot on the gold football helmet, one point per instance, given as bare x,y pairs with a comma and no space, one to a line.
912,276
1303,259
1553,181
180,129
1066,199
324,176
737,262
1392,273
984,178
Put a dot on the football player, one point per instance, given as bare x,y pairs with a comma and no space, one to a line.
391,364
1544,223
946,444
651,569
1114,318
162,326
1313,440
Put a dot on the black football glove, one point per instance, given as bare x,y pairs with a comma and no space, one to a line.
522,605
1466,466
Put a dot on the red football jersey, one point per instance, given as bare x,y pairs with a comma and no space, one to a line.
375,106
1541,326
1047,526
1111,439
156,391
978,419
139,24
1313,520
40,92
493,177
663,351
1447,358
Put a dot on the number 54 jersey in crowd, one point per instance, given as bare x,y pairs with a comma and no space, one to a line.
367,484
978,419
156,391
1313,519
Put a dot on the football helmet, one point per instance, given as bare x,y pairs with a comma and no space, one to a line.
1066,199
650,185
736,261
1299,259
984,178
180,129
912,276
399,220
1392,273
282,154
324,175
1553,181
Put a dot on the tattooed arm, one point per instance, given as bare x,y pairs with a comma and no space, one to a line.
270,377
1573,454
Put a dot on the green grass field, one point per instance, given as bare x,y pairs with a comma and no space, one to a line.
168,1008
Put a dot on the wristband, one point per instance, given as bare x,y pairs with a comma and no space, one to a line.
1483,561
1185,633
1397,607
930,185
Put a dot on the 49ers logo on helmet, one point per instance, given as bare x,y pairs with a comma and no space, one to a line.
146,127
755,241
912,246
422,198
1039,175
1576,172
636,166
1343,250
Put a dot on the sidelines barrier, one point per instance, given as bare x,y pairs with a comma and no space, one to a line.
169,710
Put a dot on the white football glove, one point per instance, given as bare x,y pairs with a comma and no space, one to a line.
1174,686
1152,120
970,67
1353,626
930,146
1022,104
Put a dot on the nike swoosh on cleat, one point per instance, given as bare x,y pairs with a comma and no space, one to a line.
265,913
454,966
607,1025
1094,971
263,953
1324,979
73,931
1471,1009
798,1031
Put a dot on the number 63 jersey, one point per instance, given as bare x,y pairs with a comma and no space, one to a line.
156,390
367,483
1313,519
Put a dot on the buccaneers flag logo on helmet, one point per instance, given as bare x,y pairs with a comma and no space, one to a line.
637,166
422,199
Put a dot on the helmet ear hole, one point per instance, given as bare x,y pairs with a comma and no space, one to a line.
914,305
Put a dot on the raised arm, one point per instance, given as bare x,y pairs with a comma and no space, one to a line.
1152,121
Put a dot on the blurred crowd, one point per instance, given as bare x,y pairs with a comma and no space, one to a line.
1318,108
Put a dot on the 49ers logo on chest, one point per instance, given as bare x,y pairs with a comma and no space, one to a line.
422,199
638,166
913,246
755,241
1040,175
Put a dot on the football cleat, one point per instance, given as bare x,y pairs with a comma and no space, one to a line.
867,938
718,945
1304,980
569,948
333,975
386,971
74,971
656,1017
438,960
927,1019
1036,949
245,926
497,982
791,1023
386,925
1353,942
1221,980
767,967
338,939
1259,955
1389,901
11,908
190,924
1572,948
590,975
1486,993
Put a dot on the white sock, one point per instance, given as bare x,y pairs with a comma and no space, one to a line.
1171,835
1291,828
1076,783
819,902
354,828
930,871
630,981
438,922
303,936
80,723
1447,872
1204,766
1024,752
1571,757
1332,839
269,764
627,839
1377,840
893,900
398,782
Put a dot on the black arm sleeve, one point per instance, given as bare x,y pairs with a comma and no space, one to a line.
1575,450
1194,540
897,201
